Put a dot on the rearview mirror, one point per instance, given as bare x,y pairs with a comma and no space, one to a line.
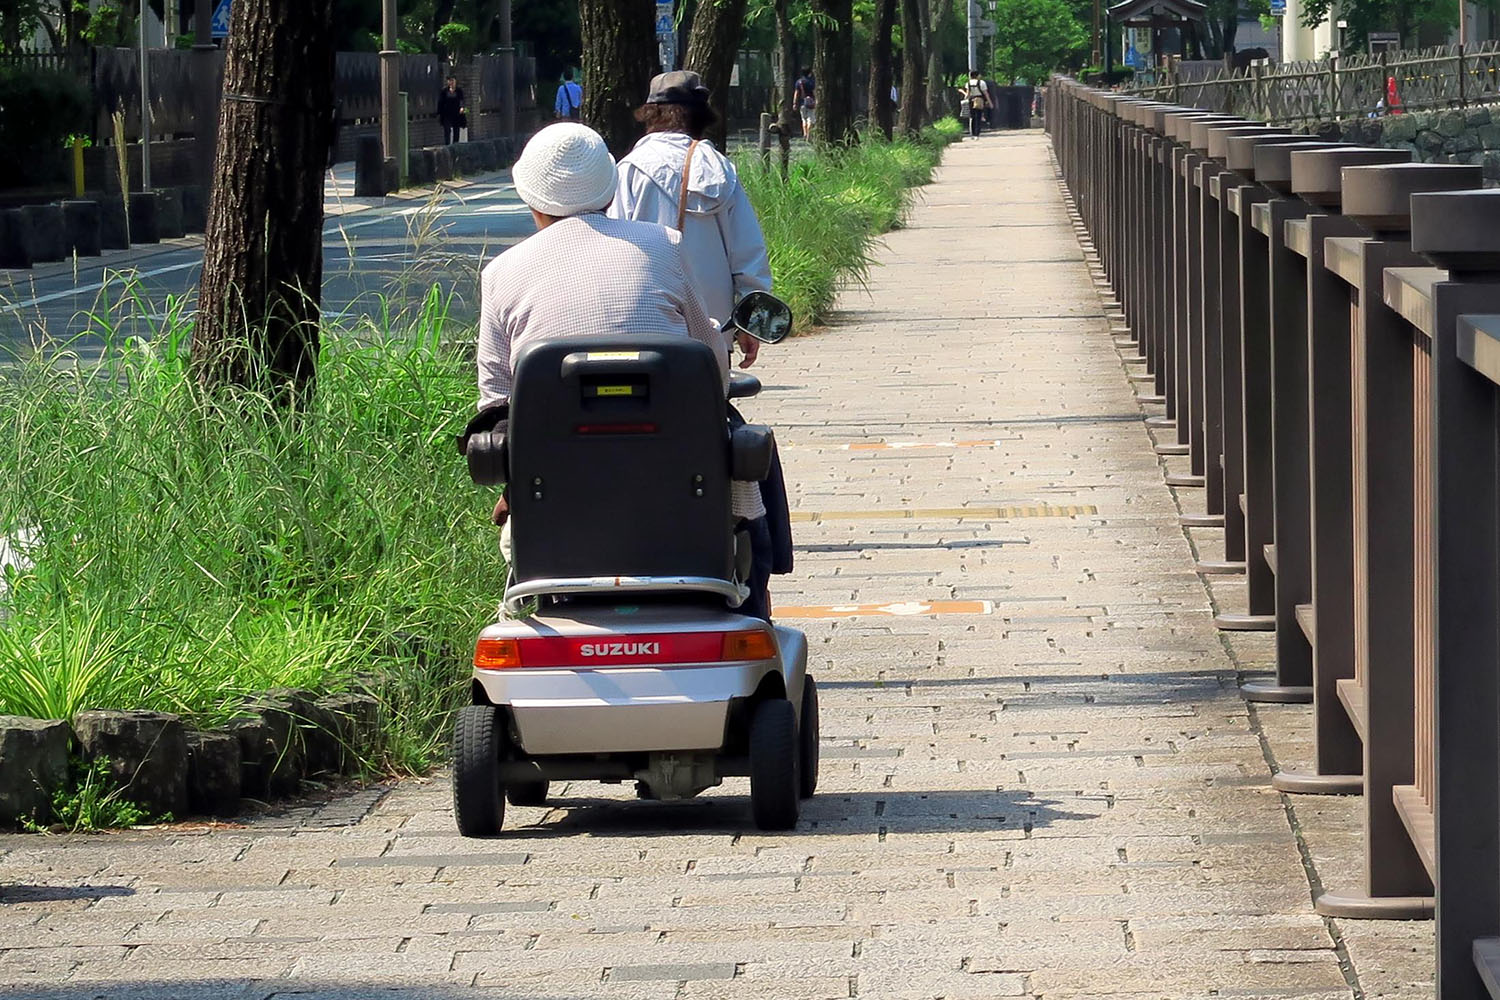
764,317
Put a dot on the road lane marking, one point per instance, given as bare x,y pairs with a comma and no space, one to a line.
941,513
898,609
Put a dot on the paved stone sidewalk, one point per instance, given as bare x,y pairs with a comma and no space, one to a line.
1062,797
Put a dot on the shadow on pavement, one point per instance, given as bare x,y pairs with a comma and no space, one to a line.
59,893
276,989
969,810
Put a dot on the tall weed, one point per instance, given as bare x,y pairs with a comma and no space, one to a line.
822,222
181,552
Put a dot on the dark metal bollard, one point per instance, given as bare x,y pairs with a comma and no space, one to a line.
1378,698
1251,471
369,168
1314,465
1452,806
114,224
15,239
81,223
47,232
142,210
169,221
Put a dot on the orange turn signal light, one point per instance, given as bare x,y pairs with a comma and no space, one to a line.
752,644
497,654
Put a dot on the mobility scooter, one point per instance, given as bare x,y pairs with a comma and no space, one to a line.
619,654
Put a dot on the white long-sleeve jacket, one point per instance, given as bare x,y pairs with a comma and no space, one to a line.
723,247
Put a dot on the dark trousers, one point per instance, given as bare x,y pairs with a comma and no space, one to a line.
450,134
758,604
976,121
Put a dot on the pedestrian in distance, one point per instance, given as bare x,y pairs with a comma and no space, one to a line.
450,110
676,178
804,95
976,95
568,105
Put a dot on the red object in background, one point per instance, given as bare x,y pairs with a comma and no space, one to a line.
1392,99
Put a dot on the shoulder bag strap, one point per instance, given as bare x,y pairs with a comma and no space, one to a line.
687,167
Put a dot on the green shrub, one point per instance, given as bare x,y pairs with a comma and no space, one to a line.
821,224
181,551
38,110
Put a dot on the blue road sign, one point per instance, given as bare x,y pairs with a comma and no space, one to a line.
219,23
1278,8
664,25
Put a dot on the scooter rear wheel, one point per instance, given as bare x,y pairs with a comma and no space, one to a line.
807,739
774,753
478,798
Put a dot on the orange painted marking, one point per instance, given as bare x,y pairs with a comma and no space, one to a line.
899,609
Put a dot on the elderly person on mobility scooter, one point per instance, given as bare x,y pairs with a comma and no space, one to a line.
603,401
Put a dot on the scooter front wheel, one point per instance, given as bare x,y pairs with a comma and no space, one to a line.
478,798
775,786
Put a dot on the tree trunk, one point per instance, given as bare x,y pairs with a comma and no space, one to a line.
718,26
619,59
940,95
882,75
913,67
786,82
258,312
833,56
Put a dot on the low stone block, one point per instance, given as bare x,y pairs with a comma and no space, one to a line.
1477,116
1429,141
1491,166
443,163
194,209
1400,128
507,152
146,754
47,233
114,231
169,224
33,766
489,155
258,755
15,239
1449,124
419,167
369,168
143,217
81,222
392,174
356,723
213,773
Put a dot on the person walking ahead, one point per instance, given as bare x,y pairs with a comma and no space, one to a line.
976,95
805,97
676,178
450,110
569,102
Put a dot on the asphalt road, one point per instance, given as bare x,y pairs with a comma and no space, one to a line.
380,263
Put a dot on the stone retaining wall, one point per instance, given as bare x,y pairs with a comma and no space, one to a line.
279,738
1458,135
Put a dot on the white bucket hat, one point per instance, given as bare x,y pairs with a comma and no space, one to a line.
565,170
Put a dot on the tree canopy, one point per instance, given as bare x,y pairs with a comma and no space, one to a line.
1033,38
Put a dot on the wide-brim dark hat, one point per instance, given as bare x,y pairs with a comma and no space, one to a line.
677,87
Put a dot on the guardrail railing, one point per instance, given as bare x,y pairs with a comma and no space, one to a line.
1343,87
1322,324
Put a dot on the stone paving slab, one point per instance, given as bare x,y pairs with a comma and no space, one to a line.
1060,796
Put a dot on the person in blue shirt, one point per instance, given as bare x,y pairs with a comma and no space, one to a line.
569,103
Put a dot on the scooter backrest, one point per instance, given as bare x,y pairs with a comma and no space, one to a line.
619,460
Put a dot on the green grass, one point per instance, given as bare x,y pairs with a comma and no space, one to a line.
180,551
184,552
822,223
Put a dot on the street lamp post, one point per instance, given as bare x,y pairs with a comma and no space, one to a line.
206,87
390,79
507,73
145,103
